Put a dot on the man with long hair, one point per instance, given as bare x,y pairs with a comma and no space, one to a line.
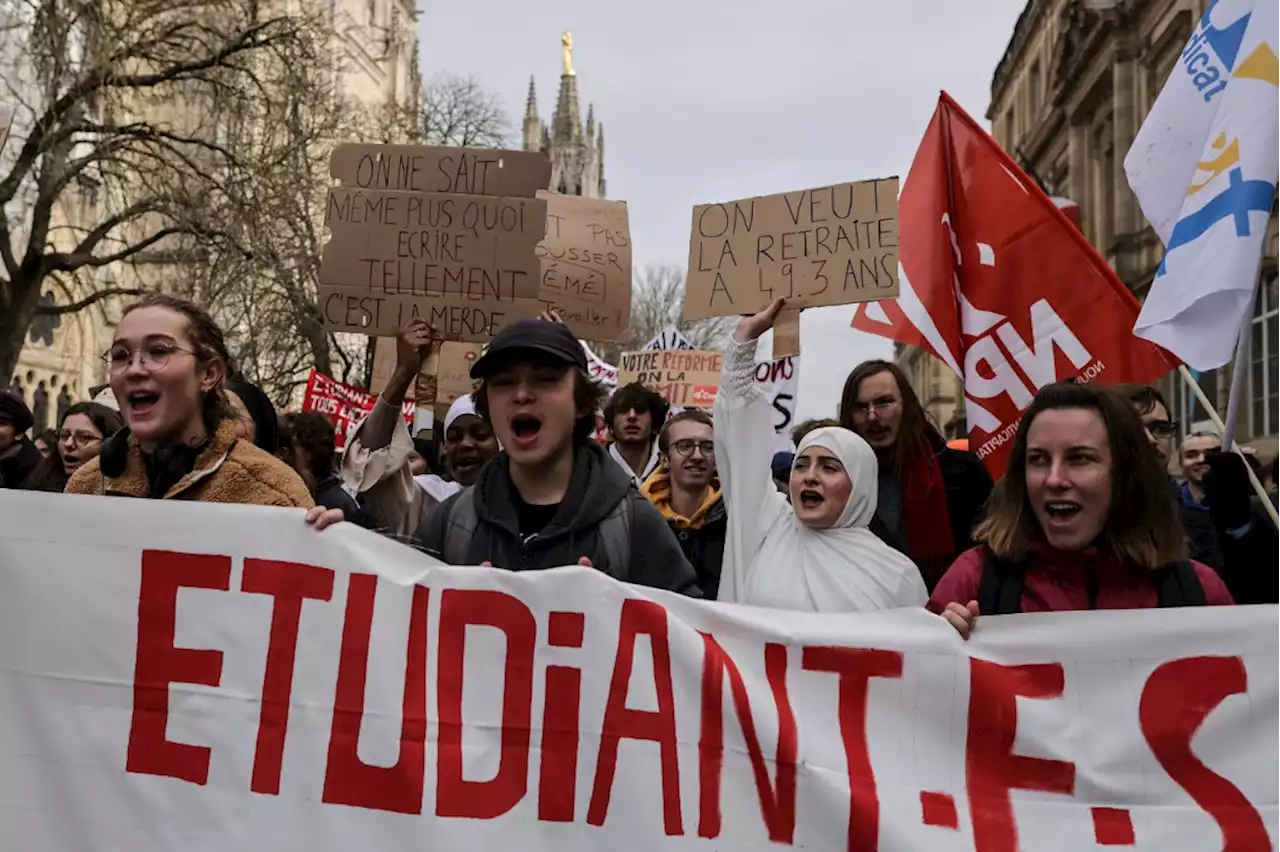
930,496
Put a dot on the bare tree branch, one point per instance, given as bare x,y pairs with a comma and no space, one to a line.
458,112
91,299
657,302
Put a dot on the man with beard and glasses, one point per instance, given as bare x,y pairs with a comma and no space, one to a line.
552,496
1227,527
930,496
685,490
634,415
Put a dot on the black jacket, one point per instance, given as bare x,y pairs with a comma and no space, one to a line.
1247,568
968,486
330,494
704,548
17,462
1242,559
597,486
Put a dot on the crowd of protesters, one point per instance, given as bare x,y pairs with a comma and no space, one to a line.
872,510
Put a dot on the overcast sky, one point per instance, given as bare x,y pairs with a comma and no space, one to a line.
708,100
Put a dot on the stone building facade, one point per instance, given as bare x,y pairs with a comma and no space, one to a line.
576,150
375,63
1067,100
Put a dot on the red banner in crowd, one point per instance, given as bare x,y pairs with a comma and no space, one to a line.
344,404
999,285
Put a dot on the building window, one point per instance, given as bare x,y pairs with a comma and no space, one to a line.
1034,84
1264,395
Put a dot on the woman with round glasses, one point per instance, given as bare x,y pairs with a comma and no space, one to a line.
78,440
168,367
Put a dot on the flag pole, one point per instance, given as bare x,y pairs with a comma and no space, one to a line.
1239,371
1217,421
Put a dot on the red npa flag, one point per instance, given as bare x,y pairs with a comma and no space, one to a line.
999,284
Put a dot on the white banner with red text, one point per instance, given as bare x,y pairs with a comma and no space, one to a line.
184,676
345,405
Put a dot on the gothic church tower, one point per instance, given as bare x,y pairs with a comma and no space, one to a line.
576,151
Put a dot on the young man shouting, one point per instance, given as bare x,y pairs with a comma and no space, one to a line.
553,496
685,490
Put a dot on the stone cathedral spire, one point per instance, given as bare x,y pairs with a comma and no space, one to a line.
532,126
576,151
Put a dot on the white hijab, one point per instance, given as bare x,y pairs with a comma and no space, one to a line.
845,567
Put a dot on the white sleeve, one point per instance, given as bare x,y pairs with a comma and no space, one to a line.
382,477
744,449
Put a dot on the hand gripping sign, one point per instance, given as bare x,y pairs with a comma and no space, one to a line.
222,677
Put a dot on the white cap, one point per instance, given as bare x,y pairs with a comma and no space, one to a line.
461,406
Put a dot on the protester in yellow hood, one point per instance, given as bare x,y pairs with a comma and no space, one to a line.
685,490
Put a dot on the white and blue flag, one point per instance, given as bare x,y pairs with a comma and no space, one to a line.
1204,169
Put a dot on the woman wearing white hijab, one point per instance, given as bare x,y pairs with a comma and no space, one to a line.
818,556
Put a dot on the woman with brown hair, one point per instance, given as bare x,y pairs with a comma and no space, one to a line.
79,438
1081,520
168,367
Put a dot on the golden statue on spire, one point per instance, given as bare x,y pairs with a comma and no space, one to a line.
566,42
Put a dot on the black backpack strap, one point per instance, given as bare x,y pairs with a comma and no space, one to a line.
1000,589
1178,585
460,522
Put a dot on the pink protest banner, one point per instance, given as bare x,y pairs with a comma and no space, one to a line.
344,404
220,677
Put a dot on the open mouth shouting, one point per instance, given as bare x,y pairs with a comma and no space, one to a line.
141,403
811,499
525,429
1061,513
465,464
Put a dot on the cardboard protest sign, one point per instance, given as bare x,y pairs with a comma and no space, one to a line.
832,245
685,377
221,677
428,168
786,333
384,363
424,387
437,233
422,391
453,379
586,265
345,405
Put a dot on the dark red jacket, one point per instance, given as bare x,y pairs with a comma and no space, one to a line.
1058,581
